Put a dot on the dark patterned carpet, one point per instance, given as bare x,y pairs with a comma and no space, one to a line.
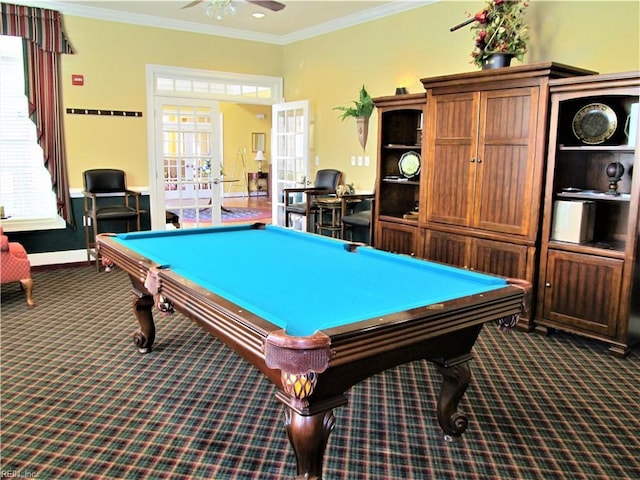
79,402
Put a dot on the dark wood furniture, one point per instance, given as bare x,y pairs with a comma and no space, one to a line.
479,192
399,133
361,215
301,200
592,287
315,347
333,209
107,200
172,218
258,182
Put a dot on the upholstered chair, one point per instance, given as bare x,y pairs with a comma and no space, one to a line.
15,266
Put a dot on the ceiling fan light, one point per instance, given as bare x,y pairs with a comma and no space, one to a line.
219,9
258,15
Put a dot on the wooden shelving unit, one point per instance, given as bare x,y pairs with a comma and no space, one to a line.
591,287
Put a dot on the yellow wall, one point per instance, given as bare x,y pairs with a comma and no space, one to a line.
240,121
328,70
401,49
113,58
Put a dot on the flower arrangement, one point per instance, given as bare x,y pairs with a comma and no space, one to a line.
205,168
500,28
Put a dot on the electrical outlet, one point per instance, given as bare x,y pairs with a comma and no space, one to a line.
366,161
317,159
353,161
359,160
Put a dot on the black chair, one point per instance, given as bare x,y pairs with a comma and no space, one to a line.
360,218
106,198
326,183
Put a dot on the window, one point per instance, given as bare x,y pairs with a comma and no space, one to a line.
25,184
253,89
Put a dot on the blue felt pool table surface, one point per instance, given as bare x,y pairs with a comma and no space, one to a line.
303,282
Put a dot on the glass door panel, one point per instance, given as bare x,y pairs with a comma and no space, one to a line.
190,160
290,154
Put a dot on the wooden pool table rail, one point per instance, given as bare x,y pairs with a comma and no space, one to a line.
443,334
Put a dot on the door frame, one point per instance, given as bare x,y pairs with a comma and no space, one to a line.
179,82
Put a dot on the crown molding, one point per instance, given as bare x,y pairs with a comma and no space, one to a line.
376,13
68,8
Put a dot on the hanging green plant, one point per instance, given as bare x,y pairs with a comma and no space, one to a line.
363,107
361,111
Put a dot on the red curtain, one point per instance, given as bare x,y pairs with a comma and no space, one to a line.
44,41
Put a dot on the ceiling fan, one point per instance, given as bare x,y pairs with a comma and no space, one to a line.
268,4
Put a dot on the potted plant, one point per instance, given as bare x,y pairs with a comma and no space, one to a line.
361,110
500,33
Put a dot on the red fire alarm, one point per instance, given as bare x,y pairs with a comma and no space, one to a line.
77,79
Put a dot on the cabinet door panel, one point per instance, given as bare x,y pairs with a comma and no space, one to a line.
451,196
453,120
499,258
506,156
446,248
396,238
583,291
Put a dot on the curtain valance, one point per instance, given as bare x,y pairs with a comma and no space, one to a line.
38,25
44,42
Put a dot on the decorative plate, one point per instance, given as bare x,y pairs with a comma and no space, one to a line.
409,164
595,123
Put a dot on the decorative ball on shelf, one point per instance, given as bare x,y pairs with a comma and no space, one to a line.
614,171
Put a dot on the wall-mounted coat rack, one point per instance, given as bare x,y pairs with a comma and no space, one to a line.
106,113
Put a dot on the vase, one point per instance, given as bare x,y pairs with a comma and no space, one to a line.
363,130
497,60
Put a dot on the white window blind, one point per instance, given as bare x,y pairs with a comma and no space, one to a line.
25,184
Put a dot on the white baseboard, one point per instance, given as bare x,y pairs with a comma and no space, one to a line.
57,258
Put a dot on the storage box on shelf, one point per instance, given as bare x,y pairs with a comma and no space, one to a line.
592,286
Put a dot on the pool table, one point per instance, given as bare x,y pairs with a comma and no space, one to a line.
321,315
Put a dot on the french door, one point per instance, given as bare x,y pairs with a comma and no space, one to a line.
289,155
188,160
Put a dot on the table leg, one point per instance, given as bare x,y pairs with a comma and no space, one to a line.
455,380
142,306
309,435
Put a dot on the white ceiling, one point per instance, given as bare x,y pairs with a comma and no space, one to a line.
298,20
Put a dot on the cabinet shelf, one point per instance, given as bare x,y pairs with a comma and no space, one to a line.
610,249
397,146
394,219
596,148
401,181
593,195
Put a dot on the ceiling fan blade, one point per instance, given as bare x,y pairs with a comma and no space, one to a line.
191,4
268,4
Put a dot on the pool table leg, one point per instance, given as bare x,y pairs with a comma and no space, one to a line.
456,376
309,435
142,308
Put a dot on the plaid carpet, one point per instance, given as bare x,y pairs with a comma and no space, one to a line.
79,402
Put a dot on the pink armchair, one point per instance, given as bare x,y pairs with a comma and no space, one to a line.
15,266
